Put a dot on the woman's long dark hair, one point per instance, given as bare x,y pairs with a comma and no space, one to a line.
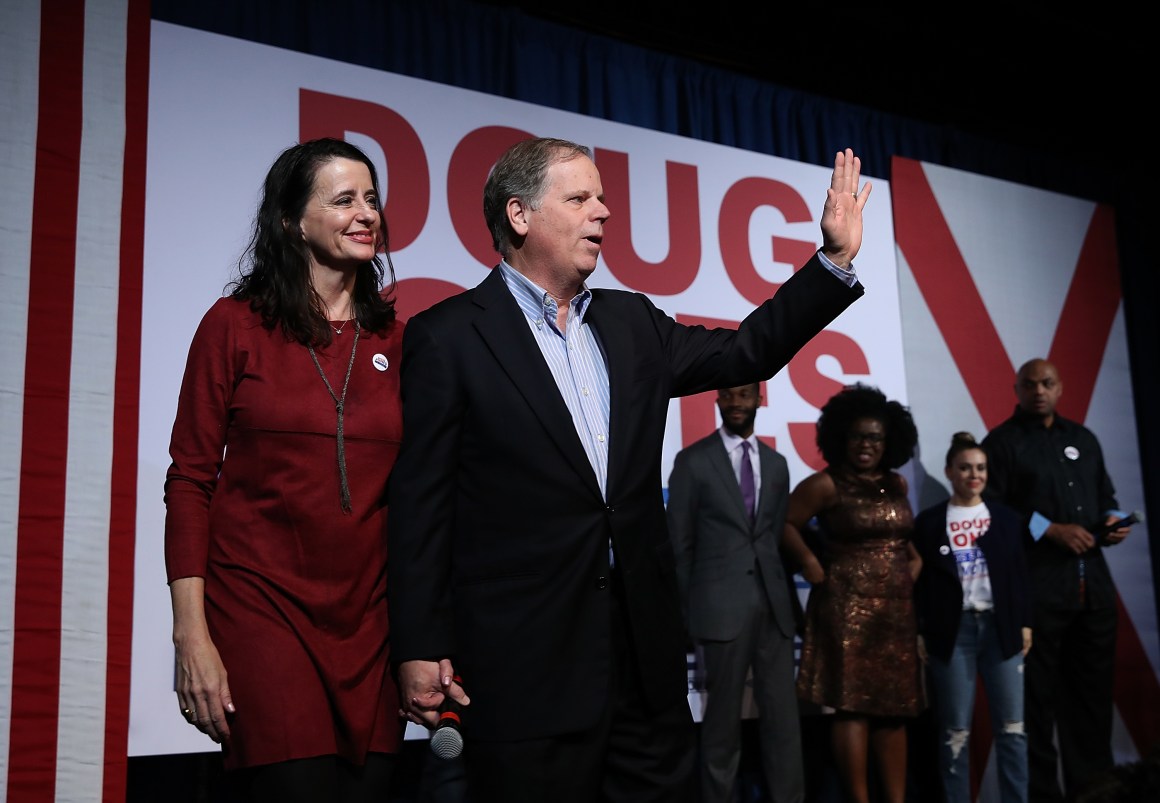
274,270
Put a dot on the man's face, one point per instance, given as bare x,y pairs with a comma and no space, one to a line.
738,408
565,232
1038,388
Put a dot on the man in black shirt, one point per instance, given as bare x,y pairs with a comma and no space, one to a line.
1051,470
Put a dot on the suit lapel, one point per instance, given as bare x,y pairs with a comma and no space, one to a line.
504,329
723,468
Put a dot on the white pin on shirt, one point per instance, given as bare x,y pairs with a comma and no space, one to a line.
1071,453
381,362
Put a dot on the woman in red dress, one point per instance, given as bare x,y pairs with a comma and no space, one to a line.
287,426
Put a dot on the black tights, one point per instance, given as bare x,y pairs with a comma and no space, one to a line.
323,779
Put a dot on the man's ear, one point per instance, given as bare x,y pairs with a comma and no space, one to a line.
517,213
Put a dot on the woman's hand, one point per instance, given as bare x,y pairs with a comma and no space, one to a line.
203,692
202,688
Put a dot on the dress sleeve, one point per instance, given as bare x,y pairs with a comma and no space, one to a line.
198,441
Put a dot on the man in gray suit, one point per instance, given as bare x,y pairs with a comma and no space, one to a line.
727,505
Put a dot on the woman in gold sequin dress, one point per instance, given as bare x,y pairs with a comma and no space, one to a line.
859,655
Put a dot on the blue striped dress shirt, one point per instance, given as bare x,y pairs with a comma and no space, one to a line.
575,360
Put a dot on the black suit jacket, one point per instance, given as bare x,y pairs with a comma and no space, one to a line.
939,592
498,533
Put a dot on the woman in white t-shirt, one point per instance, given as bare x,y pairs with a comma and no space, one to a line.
974,610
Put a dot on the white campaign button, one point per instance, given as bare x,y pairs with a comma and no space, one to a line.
1071,453
944,550
381,362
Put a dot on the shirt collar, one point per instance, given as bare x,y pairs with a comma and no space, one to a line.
734,441
1030,421
535,301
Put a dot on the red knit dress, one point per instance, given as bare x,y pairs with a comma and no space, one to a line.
295,589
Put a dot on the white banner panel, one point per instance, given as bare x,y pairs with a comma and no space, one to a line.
993,274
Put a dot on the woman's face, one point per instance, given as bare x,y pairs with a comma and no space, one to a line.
865,444
967,474
342,222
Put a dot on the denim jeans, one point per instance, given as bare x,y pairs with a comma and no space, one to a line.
977,653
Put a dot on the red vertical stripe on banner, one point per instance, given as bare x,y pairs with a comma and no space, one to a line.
123,520
44,448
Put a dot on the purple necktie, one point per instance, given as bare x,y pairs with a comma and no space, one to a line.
748,491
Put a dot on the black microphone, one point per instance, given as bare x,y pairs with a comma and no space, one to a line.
1135,517
446,738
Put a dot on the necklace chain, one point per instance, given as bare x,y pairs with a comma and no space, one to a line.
339,404
339,329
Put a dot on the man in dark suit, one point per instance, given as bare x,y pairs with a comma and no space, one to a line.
527,538
726,511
